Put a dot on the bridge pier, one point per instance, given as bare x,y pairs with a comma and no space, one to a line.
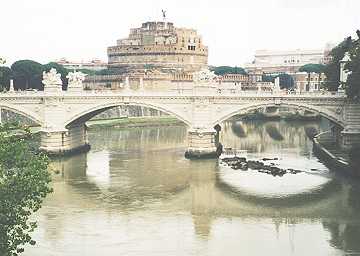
201,144
64,141
349,138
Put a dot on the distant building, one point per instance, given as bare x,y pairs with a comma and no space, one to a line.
302,82
271,62
94,64
159,45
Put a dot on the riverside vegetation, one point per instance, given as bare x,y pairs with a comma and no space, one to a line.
24,183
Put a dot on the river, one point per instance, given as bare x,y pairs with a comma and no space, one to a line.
134,193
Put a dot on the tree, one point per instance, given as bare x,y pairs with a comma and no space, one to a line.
332,69
223,70
61,70
106,72
24,183
5,76
27,74
286,81
352,85
268,78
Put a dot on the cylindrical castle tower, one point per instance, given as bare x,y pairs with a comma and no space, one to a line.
159,45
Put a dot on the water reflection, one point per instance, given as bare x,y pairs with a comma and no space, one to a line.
135,194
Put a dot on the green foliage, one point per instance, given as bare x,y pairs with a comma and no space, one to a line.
24,183
87,71
27,74
223,70
149,66
286,81
312,68
352,85
268,78
104,72
5,76
60,69
332,70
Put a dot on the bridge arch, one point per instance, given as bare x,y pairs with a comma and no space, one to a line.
245,109
87,114
23,112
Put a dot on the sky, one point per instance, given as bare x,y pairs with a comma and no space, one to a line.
46,30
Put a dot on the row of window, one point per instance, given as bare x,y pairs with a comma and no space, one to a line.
191,41
291,61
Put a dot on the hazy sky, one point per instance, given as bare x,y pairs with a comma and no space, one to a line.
46,30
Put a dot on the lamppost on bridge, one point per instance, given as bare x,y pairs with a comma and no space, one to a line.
343,73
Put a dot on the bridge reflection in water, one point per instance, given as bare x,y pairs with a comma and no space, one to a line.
135,194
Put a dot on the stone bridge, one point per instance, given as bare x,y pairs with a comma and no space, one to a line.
62,114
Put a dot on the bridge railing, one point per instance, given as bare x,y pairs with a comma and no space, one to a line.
180,91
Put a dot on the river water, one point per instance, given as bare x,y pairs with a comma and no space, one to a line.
134,193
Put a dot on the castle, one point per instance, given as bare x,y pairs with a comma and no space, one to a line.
159,45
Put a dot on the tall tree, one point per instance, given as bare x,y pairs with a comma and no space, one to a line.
223,70
24,183
286,81
352,85
5,76
332,69
27,74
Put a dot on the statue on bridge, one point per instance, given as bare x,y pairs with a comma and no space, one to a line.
52,81
75,81
204,76
51,78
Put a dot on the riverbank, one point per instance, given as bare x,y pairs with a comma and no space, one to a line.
326,149
129,122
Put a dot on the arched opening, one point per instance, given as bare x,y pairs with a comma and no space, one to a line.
11,114
84,116
74,137
245,110
271,128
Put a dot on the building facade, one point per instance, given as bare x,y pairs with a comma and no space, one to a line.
308,82
159,45
270,62
94,64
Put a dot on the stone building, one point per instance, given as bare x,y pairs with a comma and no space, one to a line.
159,45
302,82
290,61
94,64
